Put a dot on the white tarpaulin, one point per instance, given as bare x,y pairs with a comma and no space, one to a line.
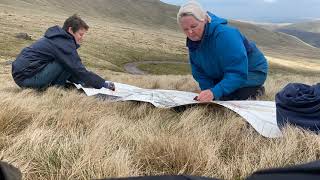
260,114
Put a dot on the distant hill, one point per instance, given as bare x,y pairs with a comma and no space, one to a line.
141,12
266,37
156,14
277,43
308,32
308,37
313,26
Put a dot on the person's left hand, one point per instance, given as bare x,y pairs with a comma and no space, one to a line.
205,96
109,85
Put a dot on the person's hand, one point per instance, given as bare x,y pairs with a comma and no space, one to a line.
109,85
205,96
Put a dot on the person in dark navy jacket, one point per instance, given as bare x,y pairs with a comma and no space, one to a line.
54,60
224,62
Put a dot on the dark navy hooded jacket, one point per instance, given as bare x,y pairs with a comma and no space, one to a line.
299,105
224,60
56,45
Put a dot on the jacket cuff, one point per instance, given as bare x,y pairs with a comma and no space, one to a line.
217,92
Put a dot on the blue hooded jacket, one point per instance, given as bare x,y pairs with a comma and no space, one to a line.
56,45
224,60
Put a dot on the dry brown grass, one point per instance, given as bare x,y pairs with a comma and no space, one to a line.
299,63
62,134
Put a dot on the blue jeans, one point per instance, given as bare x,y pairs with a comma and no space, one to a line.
53,74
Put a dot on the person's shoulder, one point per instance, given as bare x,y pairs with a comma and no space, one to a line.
226,28
67,46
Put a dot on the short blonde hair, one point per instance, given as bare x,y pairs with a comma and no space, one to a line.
193,8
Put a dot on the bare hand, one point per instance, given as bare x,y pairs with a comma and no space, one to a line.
205,96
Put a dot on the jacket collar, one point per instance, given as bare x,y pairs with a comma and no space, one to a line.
75,42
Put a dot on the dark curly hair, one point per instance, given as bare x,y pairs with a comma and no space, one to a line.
76,23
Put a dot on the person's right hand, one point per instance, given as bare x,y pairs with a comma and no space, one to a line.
109,85
205,96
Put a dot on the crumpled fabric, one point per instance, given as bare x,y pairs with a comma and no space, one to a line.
299,105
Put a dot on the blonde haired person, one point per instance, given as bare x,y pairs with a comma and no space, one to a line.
226,65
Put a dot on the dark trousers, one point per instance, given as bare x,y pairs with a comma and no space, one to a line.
245,93
53,74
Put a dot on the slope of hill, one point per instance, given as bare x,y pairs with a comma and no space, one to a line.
312,26
140,12
308,32
309,37
155,14
277,43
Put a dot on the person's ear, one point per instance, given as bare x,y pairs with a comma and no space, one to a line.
70,30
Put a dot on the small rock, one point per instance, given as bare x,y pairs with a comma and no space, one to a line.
24,36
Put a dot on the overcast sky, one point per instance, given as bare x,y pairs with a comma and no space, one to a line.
261,10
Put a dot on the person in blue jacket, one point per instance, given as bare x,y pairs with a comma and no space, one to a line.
226,65
54,60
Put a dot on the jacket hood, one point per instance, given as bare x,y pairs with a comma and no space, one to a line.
61,36
57,31
215,22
